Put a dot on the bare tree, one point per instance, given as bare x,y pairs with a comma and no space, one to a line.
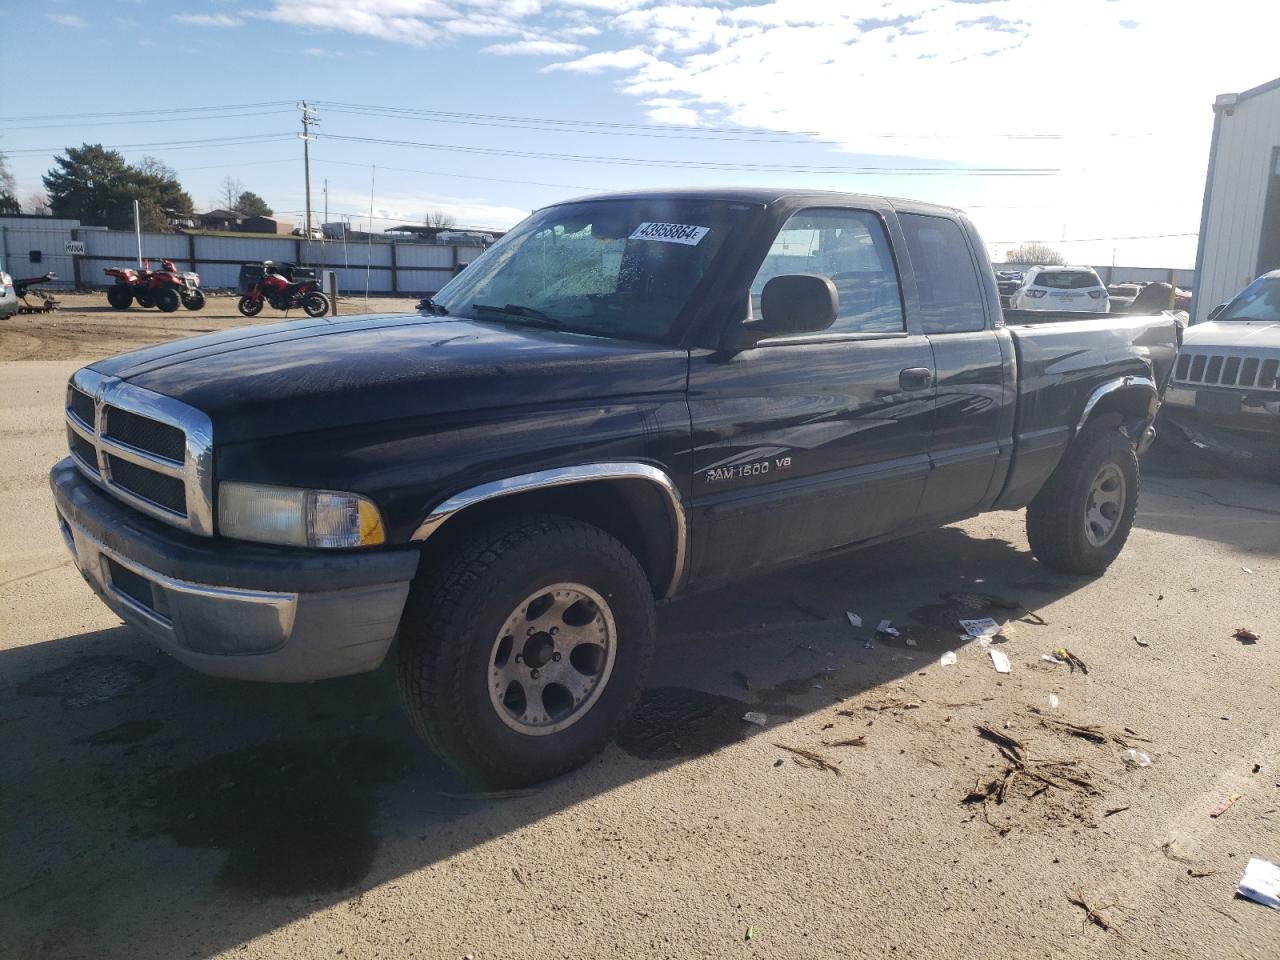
229,191
1036,254
155,167
440,220
37,204
7,183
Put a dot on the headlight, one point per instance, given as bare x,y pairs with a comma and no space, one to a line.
294,517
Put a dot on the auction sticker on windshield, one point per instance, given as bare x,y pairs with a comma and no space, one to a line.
670,233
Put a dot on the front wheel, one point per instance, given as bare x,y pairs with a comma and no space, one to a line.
194,299
167,299
249,306
315,304
119,296
522,652
1080,519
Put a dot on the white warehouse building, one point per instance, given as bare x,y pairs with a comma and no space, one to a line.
1240,219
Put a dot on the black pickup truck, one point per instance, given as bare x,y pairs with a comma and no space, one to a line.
626,398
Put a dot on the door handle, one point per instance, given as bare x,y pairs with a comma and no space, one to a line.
915,378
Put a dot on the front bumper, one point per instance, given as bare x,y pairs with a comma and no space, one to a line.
1243,425
230,609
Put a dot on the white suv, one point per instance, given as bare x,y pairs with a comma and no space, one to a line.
1061,288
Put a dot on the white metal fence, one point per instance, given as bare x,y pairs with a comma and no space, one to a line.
30,247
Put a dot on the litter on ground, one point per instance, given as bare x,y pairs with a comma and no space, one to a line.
753,716
1135,758
854,619
887,628
1142,643
1000,661
1071,660
1261,883
984,627
1225,805
949,658
1246,636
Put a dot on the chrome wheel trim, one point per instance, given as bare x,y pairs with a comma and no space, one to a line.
1105,505
552,659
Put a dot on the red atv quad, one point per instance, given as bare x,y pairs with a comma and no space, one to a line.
284,286
165,288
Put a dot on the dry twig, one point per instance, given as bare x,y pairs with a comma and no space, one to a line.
810,759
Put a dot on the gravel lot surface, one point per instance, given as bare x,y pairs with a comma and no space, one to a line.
151,812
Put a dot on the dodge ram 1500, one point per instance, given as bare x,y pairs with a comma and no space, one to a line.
626,398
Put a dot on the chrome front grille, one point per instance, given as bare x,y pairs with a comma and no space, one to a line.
1222,370
150,451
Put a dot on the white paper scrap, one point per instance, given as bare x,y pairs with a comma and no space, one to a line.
1261,883
854,619
948,658
759,719
886,627
986,627
1050,658
911,641
1053,701
984,642
1000,660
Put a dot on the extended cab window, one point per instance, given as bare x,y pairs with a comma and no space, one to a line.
946,282
851,248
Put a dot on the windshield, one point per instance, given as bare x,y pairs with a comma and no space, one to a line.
1258,301
1067,280
615,268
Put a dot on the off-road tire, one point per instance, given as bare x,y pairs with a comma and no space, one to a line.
194,300
457,608
167,299
1056,517
120,296
250,307
315,304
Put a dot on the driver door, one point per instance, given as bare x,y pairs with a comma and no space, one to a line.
807,443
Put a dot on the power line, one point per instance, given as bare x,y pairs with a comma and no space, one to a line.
467,176
151,112
1141,236
166,144
709,164
117,123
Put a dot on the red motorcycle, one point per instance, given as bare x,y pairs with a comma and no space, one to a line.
284,286
165,288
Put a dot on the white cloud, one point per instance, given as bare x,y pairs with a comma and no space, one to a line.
68,20
599,62
544,48
208,20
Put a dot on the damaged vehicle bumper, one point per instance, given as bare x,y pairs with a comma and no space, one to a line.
232,609
1233,423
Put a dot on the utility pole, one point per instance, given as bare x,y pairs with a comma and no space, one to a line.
309,119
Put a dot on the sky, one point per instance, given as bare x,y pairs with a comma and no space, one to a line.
1085,125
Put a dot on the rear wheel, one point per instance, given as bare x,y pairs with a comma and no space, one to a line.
1080,519
119,296
522,652
194,299
167,299
315,304
249,306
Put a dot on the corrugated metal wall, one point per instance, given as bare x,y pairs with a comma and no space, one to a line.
419,268
1230,240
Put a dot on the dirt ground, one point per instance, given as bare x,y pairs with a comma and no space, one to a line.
150,812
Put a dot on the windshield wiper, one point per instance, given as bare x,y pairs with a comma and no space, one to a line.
432,307
517,310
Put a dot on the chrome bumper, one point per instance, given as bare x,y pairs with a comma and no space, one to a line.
330,629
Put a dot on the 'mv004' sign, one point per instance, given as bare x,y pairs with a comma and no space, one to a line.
74,248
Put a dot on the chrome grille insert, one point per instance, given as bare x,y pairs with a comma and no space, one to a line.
148,450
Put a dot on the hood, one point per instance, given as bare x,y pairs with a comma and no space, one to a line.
1234,334
257,382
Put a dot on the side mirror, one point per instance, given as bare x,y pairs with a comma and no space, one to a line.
1213,314
791,303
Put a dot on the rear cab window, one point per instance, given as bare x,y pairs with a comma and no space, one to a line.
1068,280
947,286
851,249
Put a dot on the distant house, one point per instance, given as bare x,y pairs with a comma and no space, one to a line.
265,225
219,220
